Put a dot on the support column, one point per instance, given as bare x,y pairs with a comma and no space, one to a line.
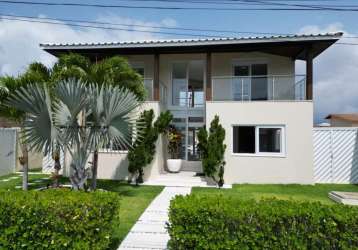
156,94
208,93
309,75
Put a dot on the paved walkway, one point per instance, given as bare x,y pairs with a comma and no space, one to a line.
149,232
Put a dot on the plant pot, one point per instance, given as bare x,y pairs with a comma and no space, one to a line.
174,165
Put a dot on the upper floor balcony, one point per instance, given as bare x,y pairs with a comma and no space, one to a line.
259,88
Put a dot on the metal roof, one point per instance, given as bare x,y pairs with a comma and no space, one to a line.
195,42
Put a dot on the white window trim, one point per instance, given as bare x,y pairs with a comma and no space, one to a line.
281,154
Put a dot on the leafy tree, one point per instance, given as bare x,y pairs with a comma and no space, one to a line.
54,121
143,150
113,70
212,149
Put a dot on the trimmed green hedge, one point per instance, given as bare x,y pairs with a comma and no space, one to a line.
218,222
56,219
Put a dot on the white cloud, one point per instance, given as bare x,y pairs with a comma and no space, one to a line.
19,41
335,75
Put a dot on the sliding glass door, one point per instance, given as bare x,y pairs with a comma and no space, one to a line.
250,82
188,84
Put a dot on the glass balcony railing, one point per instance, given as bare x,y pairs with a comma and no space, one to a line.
163,93
259,88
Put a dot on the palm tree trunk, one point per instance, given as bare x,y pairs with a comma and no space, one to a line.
25,167
57,167
94,170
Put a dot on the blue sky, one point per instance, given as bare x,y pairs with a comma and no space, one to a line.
336,70
263,21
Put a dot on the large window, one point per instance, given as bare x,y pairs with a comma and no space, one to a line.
260,140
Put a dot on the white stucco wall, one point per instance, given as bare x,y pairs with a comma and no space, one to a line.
297,117
277,65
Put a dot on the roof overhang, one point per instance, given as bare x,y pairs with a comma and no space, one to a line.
289,46
344,117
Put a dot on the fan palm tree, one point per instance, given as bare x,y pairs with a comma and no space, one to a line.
53,121
114,70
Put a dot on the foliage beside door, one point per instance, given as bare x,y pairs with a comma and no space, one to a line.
212,149
143,150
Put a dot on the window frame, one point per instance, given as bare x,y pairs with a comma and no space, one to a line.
257,153
138,65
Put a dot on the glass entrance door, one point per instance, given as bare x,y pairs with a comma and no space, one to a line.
188,127
188,105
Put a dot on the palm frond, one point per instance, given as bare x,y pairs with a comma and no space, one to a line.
3,90
35,102
115,112
72,100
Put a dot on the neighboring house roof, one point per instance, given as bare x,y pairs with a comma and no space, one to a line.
345,117
279,44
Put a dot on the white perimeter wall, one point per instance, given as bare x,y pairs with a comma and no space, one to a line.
297,117
8,154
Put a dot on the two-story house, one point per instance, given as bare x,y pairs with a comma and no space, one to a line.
250,83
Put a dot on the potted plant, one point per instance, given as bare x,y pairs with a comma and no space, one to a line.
174,163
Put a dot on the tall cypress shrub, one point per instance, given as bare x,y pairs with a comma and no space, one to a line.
143,151
212,150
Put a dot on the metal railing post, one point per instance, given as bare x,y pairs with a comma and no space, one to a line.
242,89
273,88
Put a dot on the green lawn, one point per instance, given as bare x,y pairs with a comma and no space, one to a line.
318,192
134,199
14,181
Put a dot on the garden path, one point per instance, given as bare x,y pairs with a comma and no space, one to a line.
150,232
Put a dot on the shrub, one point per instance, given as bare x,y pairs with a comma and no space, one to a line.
56,219
212,149
216,222
143,151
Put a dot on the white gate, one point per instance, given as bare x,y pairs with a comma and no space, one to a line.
7,150
335,155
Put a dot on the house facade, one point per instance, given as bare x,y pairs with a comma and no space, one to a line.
250,83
